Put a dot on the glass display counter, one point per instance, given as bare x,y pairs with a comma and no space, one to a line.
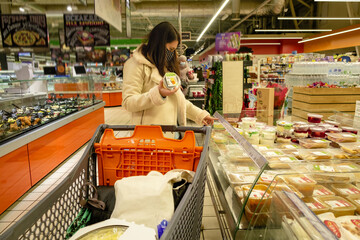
43,122
111,90
271,187
26,104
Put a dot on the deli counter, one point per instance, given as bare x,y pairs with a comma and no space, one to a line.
43,121
266,183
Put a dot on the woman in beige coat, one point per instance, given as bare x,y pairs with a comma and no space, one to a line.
143,92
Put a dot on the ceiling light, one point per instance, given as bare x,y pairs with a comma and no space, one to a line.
329,35
268,38
69,8
21,9
260,43
293,30
337,0
212,19
318,18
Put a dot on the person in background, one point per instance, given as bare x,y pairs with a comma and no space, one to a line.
143,92
186,74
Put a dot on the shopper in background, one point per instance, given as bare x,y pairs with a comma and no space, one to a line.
186,74
143,91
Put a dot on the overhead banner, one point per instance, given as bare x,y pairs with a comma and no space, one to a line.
227,41
24,30
86,30
110,11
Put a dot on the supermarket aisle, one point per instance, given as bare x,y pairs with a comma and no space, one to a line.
112,116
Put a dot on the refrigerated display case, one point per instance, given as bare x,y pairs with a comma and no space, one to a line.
111,90
43,121
273,191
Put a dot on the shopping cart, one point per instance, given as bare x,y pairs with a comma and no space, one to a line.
51,217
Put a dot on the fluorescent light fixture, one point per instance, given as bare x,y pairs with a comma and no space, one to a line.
69,8
293,30
21,9
318,18
212,19
260,43
268,38
329,35
337,0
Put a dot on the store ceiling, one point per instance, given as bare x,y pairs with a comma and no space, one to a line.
195,15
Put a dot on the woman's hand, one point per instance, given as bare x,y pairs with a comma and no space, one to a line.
164,92
208,120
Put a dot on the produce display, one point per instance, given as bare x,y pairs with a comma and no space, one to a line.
317,160
24,118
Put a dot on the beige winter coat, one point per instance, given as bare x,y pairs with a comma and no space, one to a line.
142,98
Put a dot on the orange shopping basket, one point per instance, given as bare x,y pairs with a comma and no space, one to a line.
146,150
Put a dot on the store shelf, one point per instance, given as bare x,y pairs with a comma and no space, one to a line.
196,99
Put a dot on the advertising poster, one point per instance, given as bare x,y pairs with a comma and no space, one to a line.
58,55
110,11
227,41
91,56
24,30
119,56
86,30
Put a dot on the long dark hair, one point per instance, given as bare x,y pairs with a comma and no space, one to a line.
155,48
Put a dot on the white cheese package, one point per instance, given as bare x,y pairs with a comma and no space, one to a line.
333,225
171,81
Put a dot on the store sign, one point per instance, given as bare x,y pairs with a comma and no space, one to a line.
110,11
227,41
24,30
86,30
185,36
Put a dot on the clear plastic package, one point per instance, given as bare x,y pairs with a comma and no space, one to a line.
218,126
282,162
317,132
315,154
321,167
240,167
259,198
248,122
240,178
339,206
342,137
273,153
252,136
256,219
345,189
355,200
316,205
332,224
301,131
314,118
219,138
304,183
333,130
349,130
334,123
321,191
351,148
289,146
314,143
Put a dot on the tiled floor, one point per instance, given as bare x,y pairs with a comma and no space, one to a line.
114,116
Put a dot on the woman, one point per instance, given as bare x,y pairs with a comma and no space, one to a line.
143,92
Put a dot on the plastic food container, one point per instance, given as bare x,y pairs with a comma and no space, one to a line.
339,154
321,167
259,199
303,183
260,125
268,133
283,127
239,130
218,126
272,153
301,131
267,178
287,188
334,123
286,139
342,137
352,148
333,130
345,190
252,136
339,206
240,178
299,123
232,121
283,162
314,143
248,122
289,146
238,167
317,132
316,205
325,126
347,167
262,148
321,191
256,219
314,118
219,138
171,81
349,130
355,200
315,154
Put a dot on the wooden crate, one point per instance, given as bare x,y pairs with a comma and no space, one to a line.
323,101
